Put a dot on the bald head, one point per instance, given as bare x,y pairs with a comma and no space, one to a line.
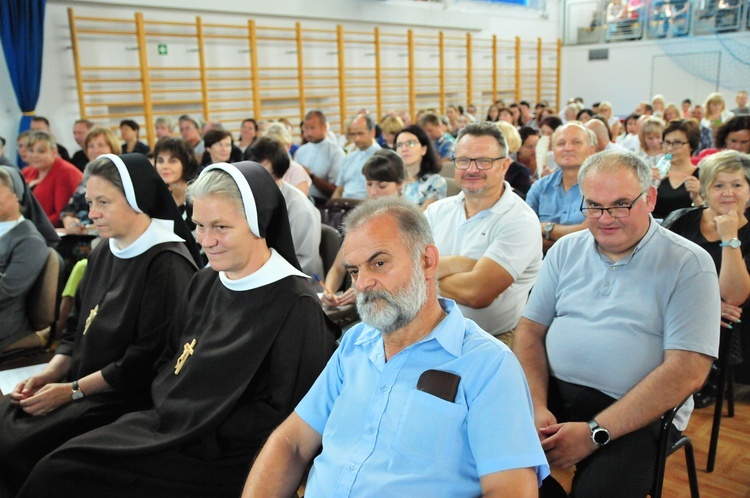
602,135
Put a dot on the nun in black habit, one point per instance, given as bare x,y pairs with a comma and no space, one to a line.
249,339
119,325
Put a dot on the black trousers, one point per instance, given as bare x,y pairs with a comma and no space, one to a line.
624,468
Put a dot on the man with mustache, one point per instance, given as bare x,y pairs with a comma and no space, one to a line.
556,197
417,400
489,239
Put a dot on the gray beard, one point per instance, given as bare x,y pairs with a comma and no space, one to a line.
389,312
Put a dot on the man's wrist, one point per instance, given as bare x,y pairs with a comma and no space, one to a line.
599,435
548,227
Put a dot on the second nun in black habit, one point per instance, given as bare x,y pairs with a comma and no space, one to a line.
248,340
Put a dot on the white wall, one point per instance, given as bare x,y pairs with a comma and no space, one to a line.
58,98
677,68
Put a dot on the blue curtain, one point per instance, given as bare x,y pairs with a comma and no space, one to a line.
22,36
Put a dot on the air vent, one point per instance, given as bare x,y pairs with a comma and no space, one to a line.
599,54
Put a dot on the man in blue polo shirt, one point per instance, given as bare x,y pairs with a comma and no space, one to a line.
621,326
556,198
417,400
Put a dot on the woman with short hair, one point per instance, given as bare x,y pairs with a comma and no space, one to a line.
175,162
680,187
52,179
716,115
75,214
721,228
650,138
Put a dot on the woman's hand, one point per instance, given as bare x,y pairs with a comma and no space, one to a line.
693,186
47,399
348,297
29,387
729,315
655,174
73,226
727,225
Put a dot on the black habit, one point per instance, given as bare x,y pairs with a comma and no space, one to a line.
238,363
119,325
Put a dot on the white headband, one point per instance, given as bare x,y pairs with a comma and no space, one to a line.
127,182
248,199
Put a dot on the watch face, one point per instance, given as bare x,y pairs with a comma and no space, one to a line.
601,436
77,394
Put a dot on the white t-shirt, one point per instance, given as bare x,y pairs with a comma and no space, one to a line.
509,234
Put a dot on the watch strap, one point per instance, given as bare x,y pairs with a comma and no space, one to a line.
733,243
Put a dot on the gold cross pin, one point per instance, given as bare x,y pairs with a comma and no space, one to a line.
188,350
90,319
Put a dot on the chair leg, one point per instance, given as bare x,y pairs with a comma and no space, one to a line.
692,471
730,391
716,426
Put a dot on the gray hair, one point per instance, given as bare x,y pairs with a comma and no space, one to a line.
106,169
216,183
613,161
726,161
593,141
165,121
5,179
411,221
485,129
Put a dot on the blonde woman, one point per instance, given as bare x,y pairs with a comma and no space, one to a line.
650,138
518,175
296,174
75,214
671,112
605,109
715,115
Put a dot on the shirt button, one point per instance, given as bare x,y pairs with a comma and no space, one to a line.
371,429
612,268
352,466
384,388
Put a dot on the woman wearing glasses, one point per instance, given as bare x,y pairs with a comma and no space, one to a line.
680,187
722,229
424,185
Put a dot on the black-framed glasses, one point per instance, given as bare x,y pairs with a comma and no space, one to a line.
481,162
676,143
614,211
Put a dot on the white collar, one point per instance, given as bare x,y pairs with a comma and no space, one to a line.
158,232
272,271
7,226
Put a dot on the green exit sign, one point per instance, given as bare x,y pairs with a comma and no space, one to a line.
162,49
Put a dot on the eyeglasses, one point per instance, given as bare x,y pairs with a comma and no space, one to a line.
481,162
409,143
676,144
614,211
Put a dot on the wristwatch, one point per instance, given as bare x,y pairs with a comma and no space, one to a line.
77,393
734,243
599,435
548,230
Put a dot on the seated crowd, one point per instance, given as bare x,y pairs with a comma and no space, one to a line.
494,265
